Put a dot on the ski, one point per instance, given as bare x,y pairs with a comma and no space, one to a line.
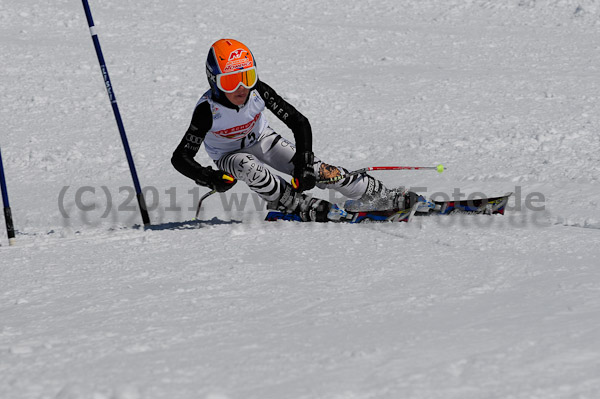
480,206
487,206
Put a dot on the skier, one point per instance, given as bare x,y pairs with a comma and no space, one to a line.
230,120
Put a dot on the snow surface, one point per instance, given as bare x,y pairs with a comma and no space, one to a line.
504,93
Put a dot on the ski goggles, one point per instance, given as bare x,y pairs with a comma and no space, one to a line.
230,81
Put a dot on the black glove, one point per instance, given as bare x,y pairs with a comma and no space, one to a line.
215,179
304,171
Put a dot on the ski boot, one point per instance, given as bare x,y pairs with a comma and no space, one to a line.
380,198
304,207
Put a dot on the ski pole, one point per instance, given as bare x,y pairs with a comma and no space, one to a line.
205,196
440,168
10,229
226,177
115,107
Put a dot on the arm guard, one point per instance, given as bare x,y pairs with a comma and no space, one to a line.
183,156
289,115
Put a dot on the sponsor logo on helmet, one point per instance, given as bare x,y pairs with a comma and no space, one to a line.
211,76
238,59
235,66
236,54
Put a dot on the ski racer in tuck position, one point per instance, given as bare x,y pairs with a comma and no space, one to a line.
230,120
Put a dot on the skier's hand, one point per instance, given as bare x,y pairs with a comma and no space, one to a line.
216,179
304,177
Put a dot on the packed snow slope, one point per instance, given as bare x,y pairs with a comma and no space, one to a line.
504,93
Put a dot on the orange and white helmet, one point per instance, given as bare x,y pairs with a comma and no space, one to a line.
229,65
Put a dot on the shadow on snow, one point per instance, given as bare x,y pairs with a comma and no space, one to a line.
191,224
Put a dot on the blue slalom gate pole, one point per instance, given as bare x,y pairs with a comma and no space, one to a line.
113,101
10,229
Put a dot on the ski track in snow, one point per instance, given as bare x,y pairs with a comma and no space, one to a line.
505,94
